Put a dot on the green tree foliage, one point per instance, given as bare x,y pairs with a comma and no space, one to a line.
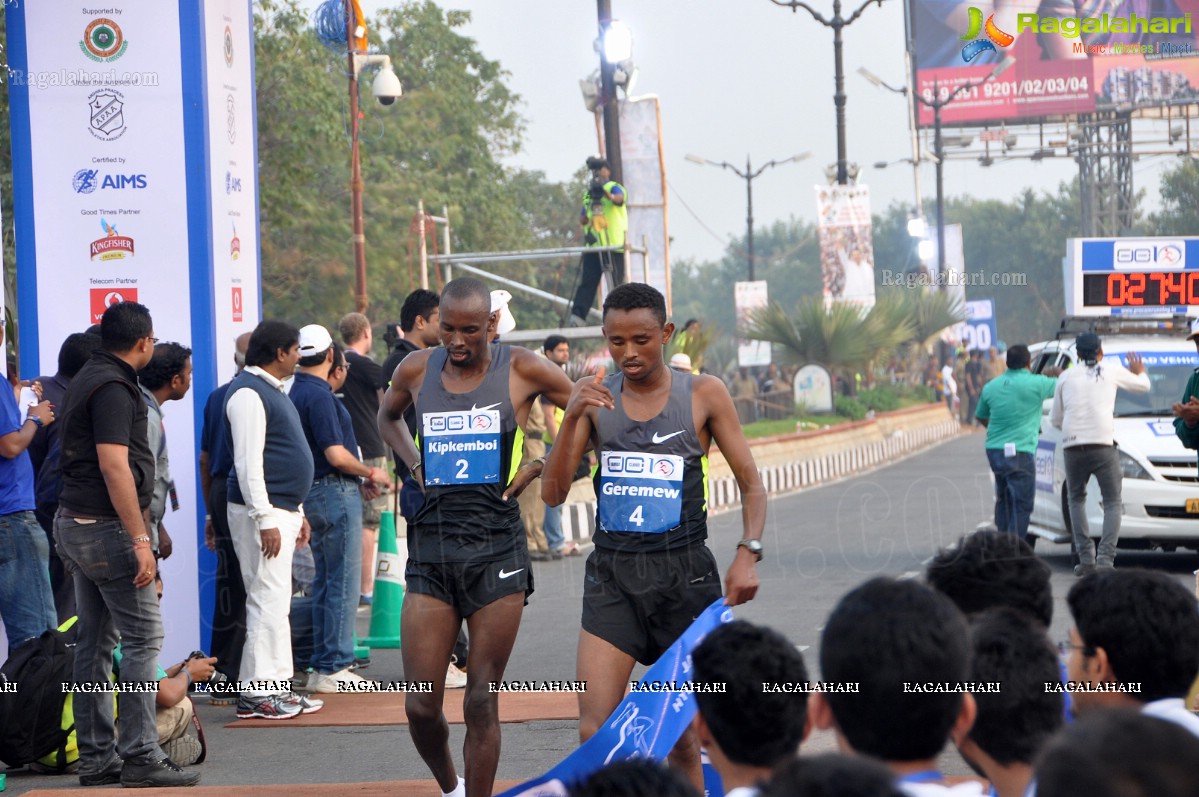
443,142
1179,214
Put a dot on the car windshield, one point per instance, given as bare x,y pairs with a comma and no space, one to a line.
1168,375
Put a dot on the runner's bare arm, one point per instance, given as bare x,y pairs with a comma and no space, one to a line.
399,396
574,437
741,581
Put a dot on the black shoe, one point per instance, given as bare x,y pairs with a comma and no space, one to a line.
156,773
106,778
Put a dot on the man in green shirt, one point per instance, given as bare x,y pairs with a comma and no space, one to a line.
1010,408
1186,412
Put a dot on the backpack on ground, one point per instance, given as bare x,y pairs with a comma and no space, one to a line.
31,716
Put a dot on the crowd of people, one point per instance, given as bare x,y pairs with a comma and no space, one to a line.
906,666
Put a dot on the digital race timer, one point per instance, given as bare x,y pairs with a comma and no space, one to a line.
1131,277
1140,289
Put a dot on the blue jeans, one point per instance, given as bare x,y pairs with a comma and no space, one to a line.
552,524
334,509
99,556
1015,489
26,600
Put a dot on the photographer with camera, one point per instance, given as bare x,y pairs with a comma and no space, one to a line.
605,219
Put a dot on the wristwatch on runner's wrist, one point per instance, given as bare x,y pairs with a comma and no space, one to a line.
753,546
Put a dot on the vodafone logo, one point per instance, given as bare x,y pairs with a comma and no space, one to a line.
103,298
237,309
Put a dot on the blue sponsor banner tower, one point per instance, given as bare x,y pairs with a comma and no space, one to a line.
135,179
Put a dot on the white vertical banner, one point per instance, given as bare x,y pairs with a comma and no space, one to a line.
643,175
115,197
846,244
747,297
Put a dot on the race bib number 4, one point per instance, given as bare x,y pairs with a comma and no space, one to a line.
640,492
461,447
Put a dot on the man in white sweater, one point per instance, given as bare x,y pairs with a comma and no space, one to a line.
1083,407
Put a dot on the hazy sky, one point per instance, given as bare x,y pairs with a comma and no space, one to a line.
735,77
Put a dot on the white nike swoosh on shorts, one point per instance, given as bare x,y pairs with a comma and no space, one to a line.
506,575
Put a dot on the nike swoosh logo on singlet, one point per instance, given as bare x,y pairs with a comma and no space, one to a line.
663,438
484,409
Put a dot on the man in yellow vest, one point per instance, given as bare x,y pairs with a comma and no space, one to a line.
604,218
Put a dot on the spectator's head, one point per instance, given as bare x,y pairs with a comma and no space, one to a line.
274,347
468,324
1119,753
316,346
748,724
831,775
126,329
75,351
636,329
557,349
169,372
691,326
339,368
635,777
239,349
1011,650
354,327
1018,357
419,317
94,329
891,637
1132,627
991,568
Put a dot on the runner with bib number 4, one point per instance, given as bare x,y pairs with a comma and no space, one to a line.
651,573
467,556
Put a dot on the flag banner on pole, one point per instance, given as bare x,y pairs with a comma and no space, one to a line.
646,724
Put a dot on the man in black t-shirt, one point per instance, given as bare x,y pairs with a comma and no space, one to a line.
102,529
360,395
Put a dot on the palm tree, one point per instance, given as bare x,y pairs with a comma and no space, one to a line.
838,336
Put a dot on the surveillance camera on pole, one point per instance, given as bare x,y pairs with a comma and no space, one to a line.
386,86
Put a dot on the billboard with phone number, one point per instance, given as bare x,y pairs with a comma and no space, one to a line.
1069,56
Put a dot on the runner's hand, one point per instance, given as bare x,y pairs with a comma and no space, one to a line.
741,581
589,393
523,479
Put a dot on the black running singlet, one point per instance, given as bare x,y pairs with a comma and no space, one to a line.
466,444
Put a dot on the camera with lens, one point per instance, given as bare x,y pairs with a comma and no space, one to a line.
391,335
217,678
595,189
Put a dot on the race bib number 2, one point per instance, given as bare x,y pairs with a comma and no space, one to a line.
640,492
461,447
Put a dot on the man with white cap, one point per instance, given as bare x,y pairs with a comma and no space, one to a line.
269,482
681,362
334,509
1083,405
499,304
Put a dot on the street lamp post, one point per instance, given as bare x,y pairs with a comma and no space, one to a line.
836,23
936,104
359,233
748,176
608,61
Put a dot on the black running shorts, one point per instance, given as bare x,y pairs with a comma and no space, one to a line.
643,602
470,586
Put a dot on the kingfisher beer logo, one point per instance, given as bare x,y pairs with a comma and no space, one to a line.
235,245
103,298
103,40
112,246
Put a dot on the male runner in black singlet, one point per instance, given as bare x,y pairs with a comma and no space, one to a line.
467,556
651,574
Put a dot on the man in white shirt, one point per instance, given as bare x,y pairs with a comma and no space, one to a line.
949,386
1135,636
1083,406
271,476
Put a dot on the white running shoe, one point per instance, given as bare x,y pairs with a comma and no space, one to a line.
328,684
454,678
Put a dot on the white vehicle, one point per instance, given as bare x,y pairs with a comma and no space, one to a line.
1161,478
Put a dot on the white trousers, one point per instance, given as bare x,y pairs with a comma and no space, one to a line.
267,654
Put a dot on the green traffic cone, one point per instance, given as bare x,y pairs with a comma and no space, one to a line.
389,589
